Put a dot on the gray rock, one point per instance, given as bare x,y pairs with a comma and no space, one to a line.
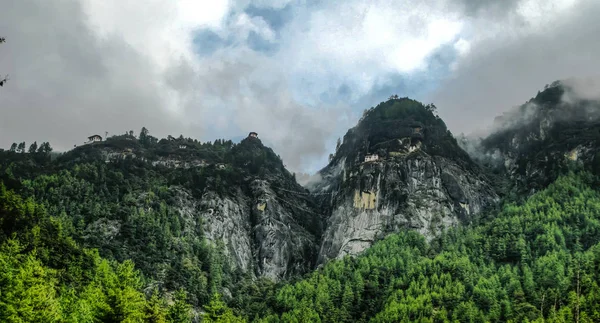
418,191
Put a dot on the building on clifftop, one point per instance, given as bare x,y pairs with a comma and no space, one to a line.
94,138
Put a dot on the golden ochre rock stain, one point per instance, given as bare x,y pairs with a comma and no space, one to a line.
261,206
572,155
465,206
364,200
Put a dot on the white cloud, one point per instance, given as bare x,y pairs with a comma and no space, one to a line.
541,13
244,24
508,64
358,41
462,47
195,13
162,31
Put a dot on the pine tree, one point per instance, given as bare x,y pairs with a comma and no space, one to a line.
180,311
217,311
33,148
155,309
21,147
347,300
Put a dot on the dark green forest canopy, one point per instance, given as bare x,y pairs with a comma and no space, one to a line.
380,128
127,209
46,277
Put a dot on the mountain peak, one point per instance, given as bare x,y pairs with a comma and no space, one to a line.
399,167
396,127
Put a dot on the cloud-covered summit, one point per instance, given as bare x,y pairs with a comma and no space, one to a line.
297,72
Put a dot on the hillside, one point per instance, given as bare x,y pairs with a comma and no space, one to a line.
530,262
199,216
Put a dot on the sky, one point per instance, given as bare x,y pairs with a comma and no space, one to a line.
299,73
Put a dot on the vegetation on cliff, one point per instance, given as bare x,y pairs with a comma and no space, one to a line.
85,240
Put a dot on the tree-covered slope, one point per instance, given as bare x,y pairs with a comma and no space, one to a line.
45,276
199,216
536,261
136,229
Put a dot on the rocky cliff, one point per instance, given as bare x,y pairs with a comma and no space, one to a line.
265,230
398,168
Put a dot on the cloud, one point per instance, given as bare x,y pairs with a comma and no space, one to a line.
66,82
583,88
506,67
299,72
357,42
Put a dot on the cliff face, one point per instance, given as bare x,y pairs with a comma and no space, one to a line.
264,230
398,168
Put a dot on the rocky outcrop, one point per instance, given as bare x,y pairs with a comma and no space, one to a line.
265,223
420,179
281,224
264,233
226,221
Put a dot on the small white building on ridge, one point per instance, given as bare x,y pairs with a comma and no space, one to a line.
370,158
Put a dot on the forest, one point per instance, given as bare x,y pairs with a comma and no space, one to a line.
83,240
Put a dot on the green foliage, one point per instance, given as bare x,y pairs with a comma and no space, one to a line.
180,311
81,239
46,277
531,262
217,312
381,127
130,211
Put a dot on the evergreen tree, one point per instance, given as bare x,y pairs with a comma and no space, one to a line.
21,147
155,309
33,148
180,311
218,312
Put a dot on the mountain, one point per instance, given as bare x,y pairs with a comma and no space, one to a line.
202,216
405,223
534,143
399,167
